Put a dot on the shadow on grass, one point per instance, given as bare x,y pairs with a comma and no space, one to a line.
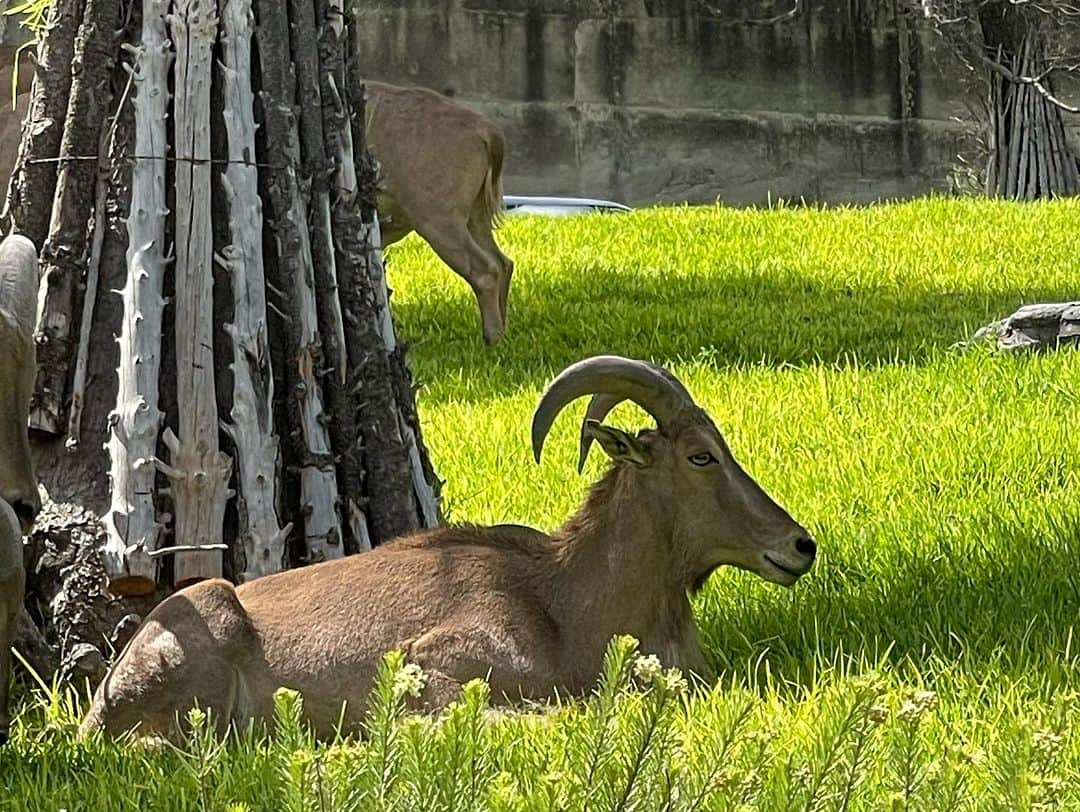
934,610
729,320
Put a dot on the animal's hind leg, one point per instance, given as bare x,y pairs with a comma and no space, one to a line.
455,246
481,233
184,655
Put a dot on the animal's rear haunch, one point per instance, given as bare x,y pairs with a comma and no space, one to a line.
440,174
19,501
531,612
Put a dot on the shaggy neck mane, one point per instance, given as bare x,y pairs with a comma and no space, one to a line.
614,557
605,497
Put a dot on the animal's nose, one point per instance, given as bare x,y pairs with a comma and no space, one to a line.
806,546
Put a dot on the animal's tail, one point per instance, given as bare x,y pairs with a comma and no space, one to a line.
491,195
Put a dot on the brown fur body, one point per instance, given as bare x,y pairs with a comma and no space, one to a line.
441,176
532,613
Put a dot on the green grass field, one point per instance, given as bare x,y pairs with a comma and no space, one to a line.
927,662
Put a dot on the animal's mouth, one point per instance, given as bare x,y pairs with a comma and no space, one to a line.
787,576
781,567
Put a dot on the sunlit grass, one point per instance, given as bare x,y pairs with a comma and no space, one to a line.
942,484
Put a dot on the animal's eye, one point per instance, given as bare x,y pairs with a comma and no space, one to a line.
703,459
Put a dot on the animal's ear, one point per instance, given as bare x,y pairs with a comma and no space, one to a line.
617,444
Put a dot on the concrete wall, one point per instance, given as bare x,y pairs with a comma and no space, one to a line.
650,100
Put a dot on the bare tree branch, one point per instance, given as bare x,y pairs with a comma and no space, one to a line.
1034,81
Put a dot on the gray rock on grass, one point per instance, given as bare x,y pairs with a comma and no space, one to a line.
1036,327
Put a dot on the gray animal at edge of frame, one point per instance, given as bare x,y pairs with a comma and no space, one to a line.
531,612
19,500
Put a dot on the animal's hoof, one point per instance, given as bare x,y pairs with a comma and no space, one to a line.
492,337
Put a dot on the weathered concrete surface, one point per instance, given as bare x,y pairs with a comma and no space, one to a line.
651,100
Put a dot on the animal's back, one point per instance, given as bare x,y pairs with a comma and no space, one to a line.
394,110
435,155
444,596
397,591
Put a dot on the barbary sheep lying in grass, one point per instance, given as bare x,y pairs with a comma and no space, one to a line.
19,501
531,612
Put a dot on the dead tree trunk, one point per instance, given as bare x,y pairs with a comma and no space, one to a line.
258,460
316,177
314,355
1029,156
198,472
132,525
30,194
63,257
307,418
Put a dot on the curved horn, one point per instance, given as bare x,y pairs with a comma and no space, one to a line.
600,406
658,394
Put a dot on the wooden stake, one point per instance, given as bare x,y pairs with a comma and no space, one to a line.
131,523
295,274
63,257
28,208
198,469
93,275
258,457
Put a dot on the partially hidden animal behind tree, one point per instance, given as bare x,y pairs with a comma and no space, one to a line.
19,500
441,176
531,612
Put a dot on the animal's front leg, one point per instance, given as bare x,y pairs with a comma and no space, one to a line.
450,658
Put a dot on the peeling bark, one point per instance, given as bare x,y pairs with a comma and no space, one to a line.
198,471
317,174
295,271
426,483
93,276
131,523
63,257
330,19
29,196
258,459
399,496
423,488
